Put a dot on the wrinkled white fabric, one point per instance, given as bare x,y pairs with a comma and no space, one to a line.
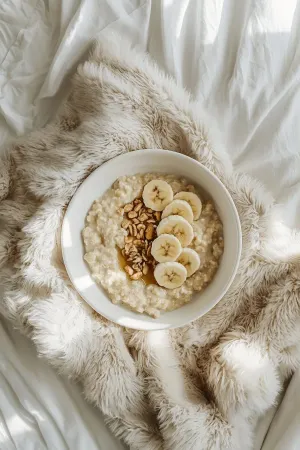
239,59
284,430
40,410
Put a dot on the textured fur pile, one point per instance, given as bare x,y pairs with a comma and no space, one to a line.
202,386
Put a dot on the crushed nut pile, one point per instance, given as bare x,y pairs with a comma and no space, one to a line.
140,223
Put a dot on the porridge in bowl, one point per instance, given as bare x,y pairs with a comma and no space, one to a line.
151,241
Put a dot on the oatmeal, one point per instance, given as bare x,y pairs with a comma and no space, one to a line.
152,260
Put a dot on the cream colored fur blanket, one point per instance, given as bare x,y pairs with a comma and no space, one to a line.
202,386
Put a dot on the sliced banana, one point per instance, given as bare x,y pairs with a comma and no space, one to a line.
193,200
179,208
157,194
166,248
190,260
179,227
170,275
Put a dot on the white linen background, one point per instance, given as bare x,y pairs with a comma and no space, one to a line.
240,59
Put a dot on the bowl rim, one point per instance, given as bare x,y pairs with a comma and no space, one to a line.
181,156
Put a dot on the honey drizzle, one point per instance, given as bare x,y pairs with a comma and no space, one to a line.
147,279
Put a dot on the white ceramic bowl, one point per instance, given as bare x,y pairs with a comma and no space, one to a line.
97,183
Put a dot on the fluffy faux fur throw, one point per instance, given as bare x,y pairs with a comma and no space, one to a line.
202,386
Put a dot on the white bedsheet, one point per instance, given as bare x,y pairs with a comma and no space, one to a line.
240,59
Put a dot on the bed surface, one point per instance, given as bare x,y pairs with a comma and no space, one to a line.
241,61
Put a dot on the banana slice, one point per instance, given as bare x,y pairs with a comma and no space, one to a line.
166,248
190,260
179,208
157,194
177,226
170,275
193,200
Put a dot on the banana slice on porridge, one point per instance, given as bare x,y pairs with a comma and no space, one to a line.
179,208
157,194
170,275
190,260
166,248
179,227
193,200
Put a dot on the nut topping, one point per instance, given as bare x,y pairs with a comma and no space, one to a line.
125,224
132,214
143,217
128,207
138,207
136,276
140,224
145,269
129,270
149,232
